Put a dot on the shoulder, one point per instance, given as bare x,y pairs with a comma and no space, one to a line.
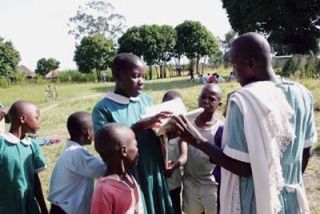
145,98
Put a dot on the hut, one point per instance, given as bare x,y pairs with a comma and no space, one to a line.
52,74
27,72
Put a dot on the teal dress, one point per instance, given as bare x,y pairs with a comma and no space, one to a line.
150,168
303,123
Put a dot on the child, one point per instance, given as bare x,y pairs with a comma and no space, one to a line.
177,155
126,105
72,180
118,192
200,187
21,160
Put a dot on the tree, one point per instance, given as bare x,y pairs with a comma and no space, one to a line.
44,65
94,53
195,41
152,42
289,24
96,17
9,58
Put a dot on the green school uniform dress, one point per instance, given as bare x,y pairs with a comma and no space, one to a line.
19,161
301,101
150,168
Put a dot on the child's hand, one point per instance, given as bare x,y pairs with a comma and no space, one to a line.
151,122
172,166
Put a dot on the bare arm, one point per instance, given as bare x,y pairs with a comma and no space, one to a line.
183,153
190,135
305,157
39,194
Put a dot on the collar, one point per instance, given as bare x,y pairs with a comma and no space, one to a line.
14,140
121,99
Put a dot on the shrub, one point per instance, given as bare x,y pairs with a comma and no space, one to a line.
4,82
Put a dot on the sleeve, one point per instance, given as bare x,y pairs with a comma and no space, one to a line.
38,158
311,131
235,140
100,117
85,164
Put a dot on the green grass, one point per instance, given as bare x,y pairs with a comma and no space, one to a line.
82,97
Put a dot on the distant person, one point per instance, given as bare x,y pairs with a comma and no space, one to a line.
177,156
118,191
202,79
268,135
200,188
21,160
212,78
191,73
219,79
126,105
231,77
72,180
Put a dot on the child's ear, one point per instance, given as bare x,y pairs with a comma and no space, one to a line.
123,151
22,119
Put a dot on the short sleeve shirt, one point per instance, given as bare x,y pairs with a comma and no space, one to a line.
19,161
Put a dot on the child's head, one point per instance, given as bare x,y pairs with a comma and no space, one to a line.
80,128
117,143
24,115
128,71
210,97
170,95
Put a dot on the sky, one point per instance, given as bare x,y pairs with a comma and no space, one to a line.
38,28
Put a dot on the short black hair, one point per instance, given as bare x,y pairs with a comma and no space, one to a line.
170,95
124,62
108,139
18,108
78,122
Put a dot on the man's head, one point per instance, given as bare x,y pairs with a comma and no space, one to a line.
250,57
80,128
210,97
128,71
24,114
115,142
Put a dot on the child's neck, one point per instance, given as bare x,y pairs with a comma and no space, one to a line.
118,90
17,131
116,173
79,140
205,119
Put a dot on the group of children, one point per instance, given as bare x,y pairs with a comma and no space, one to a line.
130,173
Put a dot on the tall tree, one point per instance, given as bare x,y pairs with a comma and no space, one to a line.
195,41
289,24
152,42
45,65
96,17
94,53
9,58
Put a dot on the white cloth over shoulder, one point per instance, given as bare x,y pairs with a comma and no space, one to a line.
268,132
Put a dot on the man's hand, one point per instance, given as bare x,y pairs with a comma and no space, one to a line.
187,132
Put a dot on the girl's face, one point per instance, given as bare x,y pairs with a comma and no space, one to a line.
30,120
209,99
132,82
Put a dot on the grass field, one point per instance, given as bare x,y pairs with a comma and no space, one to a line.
82,97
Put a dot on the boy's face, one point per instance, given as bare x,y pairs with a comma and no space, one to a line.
209,99
90,134
132,82
131,149
30,120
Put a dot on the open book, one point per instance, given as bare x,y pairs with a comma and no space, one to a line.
176,107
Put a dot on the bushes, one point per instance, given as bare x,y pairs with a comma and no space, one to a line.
4,82
75,76
303,66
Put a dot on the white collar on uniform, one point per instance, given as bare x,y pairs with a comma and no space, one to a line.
14,140
121,99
